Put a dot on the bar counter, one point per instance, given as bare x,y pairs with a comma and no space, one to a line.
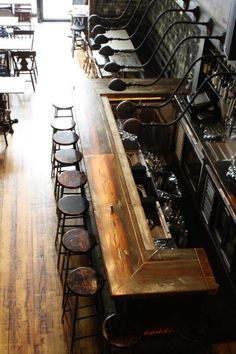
134,266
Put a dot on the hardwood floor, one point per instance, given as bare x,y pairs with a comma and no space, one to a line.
30,287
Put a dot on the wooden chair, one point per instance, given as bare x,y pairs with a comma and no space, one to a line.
24,62
22,33
23,12
91,64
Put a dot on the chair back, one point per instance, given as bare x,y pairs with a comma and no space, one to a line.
23,60
18,33
24,14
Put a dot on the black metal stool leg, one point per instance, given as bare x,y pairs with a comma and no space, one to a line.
66,274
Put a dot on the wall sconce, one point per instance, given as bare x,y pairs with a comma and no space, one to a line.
134,126
120,85
108,51
113,67
127,108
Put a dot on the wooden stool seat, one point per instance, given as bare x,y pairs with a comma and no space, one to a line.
63,124
68,156
64,104
72,205
63,159
78,28
71,180
78,241
121,332
84,281
61,104
65,137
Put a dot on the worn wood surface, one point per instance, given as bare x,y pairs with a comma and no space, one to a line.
125,242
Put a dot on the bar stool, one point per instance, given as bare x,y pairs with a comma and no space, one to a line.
82,282
71,212
121,333
63,124
72,180
77,40
65,158
63,138
76,242
63,107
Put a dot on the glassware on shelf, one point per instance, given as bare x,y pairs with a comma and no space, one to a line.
231,173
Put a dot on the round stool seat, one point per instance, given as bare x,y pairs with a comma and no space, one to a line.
79,28
68,156
73,205
63,124
72,179
121,331
84,281
78,241
65,103
65,137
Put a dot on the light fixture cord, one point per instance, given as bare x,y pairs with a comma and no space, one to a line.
171,57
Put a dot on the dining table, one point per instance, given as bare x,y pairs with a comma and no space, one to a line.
11,85
13,3
15,44
10,44
8,21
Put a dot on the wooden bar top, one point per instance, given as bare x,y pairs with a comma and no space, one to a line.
133,265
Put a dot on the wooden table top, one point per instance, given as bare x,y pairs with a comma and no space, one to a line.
8,20
134,267
15,44
15,2
12,84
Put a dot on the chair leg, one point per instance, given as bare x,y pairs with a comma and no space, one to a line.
35,76
32,80
5,137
